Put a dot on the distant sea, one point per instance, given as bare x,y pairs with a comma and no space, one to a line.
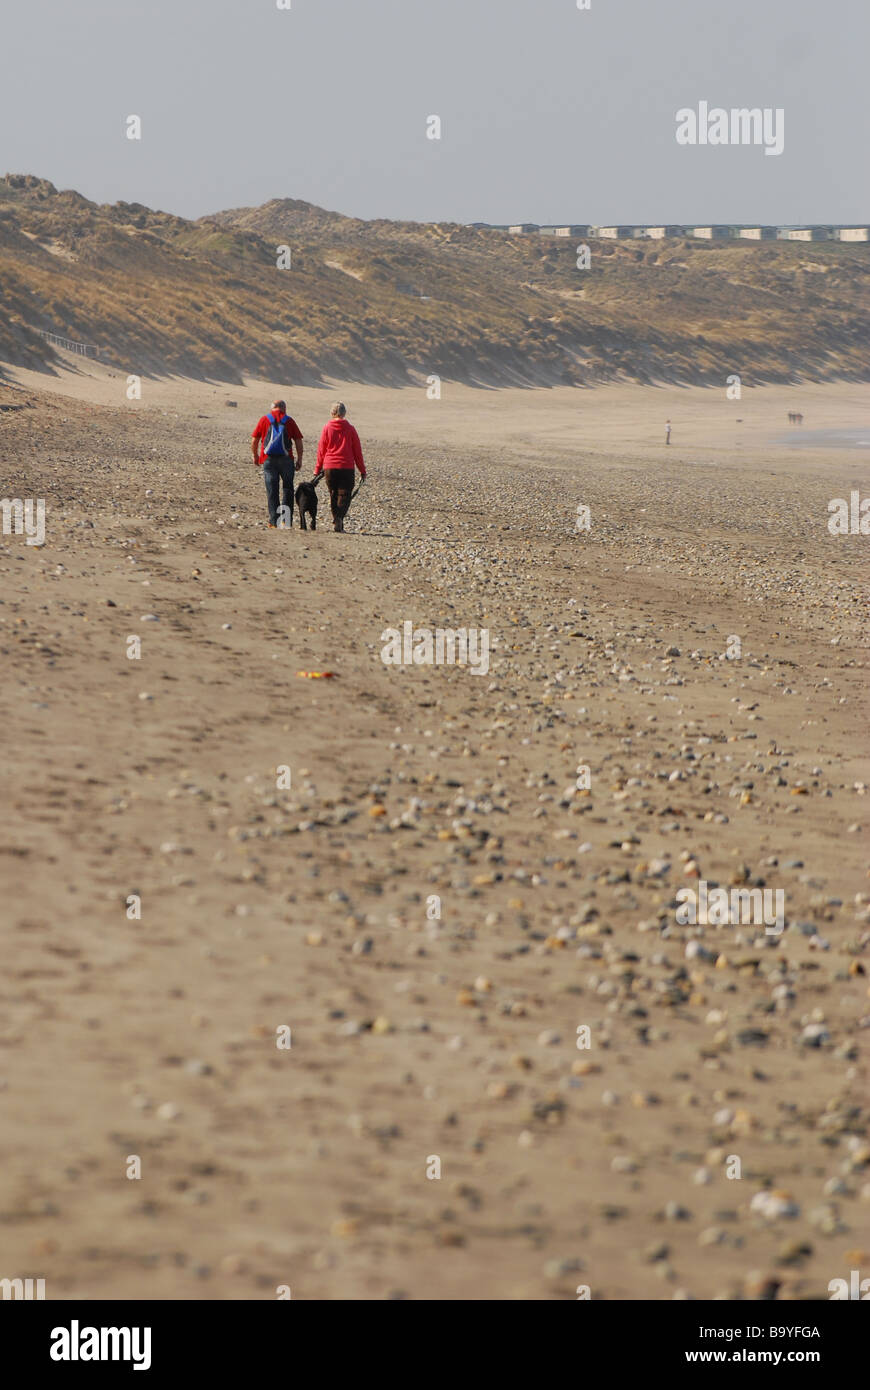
827,439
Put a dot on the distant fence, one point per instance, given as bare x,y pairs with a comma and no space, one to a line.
83,349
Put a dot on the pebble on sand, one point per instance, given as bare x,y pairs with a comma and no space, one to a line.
774,1205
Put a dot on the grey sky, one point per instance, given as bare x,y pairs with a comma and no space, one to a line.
549,113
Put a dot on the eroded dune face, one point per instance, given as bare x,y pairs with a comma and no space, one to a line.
381,978
377,301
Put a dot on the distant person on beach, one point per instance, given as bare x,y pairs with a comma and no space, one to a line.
338,454
667,431
272,443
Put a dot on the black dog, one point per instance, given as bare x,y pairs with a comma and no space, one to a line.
306,501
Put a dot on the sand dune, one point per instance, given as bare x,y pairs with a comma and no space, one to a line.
292,289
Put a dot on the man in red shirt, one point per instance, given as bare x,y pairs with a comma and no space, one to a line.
338,454
272,447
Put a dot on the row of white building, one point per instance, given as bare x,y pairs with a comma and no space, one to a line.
715,233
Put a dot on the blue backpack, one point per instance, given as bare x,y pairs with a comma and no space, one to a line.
275,446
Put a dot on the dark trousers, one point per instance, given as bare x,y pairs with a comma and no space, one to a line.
279,471
340,484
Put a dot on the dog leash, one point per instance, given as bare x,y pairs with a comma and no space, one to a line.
316,480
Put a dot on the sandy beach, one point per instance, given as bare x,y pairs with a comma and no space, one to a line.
433,907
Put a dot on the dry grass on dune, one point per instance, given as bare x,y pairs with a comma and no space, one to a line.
377,301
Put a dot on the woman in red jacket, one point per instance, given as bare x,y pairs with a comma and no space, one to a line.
338,453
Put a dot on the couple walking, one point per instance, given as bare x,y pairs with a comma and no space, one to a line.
339,453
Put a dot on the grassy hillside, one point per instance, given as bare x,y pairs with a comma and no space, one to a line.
383,301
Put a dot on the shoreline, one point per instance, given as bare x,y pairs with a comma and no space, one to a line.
606,418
